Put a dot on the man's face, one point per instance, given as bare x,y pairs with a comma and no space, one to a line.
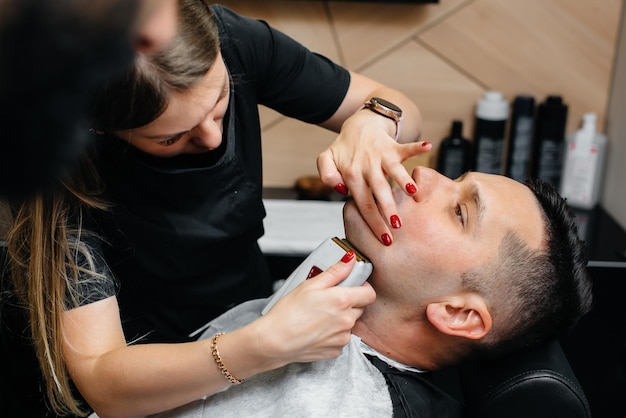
449,227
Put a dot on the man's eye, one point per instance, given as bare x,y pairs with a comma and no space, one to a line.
459,213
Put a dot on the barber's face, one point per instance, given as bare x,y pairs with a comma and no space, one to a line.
192,122
448,227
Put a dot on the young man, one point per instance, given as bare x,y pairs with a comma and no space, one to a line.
484,266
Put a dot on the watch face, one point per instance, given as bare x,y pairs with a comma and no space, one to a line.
387,104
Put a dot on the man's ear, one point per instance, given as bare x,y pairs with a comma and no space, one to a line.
464,315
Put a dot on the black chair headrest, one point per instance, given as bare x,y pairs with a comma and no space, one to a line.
537,383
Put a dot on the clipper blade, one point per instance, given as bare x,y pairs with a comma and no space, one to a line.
347,246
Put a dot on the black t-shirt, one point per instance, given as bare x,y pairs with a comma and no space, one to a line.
96,285
184,230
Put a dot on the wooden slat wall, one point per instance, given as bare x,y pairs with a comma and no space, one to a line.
445,56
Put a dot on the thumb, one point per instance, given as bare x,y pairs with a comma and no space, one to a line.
336,273
413,148
329,172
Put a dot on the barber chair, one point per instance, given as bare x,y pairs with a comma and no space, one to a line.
538,383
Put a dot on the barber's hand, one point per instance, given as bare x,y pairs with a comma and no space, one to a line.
359,161
315,320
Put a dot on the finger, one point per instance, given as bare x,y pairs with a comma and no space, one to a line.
362,295
330,174
336,273
406,151
385,201
397,172
371,215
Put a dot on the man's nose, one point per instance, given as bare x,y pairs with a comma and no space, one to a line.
429,181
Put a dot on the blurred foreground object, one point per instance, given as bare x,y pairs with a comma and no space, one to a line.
53,54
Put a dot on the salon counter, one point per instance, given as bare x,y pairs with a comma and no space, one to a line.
294,227
297,227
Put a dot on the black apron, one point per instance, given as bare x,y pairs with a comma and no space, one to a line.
184,233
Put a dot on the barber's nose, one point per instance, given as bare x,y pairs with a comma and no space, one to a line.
208,134
428,181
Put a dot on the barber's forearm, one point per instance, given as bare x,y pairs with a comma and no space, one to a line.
150,378
121,380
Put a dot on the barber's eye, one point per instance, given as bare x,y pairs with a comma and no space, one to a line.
170,141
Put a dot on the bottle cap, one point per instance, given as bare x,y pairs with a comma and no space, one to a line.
524,105
551,118
457,129
589,123
585,135
492,107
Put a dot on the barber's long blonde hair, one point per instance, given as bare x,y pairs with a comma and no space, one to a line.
44,243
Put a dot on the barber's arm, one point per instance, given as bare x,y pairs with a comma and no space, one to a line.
371,146
313,322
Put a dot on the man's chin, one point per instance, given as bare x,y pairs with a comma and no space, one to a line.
356,229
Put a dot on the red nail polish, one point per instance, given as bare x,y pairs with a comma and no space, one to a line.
341,188
395,221
386,239
410,188
348,256
425,143
314,272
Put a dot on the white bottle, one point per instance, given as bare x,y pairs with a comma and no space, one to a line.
584,165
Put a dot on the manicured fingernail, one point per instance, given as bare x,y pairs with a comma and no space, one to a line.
425,143
386,239
348,256
395,221
341,188
314,272
410,188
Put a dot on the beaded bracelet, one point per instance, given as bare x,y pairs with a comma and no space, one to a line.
218,360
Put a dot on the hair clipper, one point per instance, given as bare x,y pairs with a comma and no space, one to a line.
325,255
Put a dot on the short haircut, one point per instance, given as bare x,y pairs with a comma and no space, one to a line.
535,295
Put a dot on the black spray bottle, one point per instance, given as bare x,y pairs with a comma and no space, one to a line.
549,140
492,112
455,153
520,138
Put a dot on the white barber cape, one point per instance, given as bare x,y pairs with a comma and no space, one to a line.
348,386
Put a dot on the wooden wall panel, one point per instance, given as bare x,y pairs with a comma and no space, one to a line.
536,47
445,56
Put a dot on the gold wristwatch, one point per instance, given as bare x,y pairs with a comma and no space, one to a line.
387,109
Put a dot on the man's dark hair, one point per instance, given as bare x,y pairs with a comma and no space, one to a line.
538,295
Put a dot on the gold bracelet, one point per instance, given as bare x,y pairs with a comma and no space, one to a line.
218,360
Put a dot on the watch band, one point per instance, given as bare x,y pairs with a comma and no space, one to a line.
386,109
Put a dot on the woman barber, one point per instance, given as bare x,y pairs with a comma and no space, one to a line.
178,155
